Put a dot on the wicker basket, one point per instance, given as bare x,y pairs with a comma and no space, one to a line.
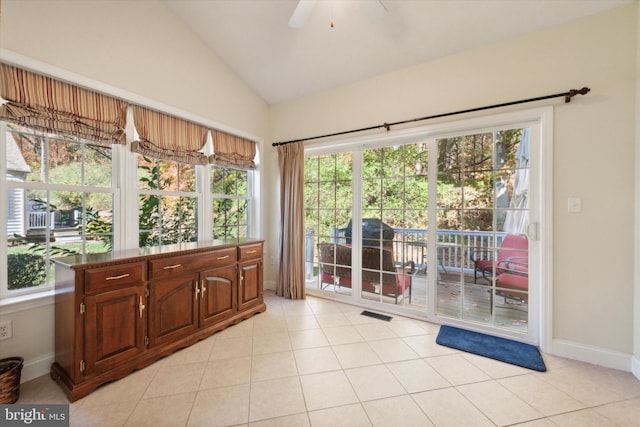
10,370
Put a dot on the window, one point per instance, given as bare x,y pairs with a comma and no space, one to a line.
59,194
230,190
168,203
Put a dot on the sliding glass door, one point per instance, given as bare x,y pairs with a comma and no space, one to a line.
481,243
437,225
394,224
328,209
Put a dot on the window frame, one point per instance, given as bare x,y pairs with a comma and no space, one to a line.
196,194
248,197
542,185
7,184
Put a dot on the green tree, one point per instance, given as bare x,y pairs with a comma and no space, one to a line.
395,186
229,214
166,219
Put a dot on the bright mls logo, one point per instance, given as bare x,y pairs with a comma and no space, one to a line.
34,415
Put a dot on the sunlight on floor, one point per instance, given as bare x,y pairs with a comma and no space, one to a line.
474,306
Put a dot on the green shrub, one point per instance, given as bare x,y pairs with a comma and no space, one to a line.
26,270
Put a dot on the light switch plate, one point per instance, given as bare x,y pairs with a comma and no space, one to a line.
574,204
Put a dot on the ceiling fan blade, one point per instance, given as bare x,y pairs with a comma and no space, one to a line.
302,13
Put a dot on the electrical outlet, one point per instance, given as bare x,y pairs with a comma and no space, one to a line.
5,330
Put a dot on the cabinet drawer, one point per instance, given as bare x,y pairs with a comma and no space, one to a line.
250,252
99,279
173,266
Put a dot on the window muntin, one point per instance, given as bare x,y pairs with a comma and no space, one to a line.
395,192
478,173
60,201
395,186
328,193
230,192
168,202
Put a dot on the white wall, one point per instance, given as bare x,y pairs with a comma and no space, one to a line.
33,337
140,48
137,46
594,140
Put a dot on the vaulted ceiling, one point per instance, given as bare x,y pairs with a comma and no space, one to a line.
368,37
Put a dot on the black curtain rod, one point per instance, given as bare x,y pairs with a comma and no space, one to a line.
387,126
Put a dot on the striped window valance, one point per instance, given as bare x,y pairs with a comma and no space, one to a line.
167,137
53,106
232,151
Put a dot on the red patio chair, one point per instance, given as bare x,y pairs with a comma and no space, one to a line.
512,257
510,269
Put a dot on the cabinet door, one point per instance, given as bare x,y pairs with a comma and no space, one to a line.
250,286
173,308
218,294
114,328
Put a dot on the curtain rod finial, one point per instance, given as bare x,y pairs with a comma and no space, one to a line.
574,92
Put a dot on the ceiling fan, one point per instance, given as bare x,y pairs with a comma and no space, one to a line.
301,14
304,8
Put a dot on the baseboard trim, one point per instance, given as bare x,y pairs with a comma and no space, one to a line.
635,366
591,354
32,369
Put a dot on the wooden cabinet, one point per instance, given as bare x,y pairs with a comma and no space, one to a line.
173,308
113,328
250,286
219,295
119,312
113,313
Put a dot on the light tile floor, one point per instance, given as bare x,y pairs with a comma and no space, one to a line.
320,363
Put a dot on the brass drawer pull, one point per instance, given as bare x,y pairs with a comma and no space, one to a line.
171,267
251,252
223,257
122,276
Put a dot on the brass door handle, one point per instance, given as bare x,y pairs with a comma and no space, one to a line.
141,307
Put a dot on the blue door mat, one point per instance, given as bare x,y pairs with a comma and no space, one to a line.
505,350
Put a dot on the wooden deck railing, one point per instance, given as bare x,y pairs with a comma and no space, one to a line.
454,248
38,220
